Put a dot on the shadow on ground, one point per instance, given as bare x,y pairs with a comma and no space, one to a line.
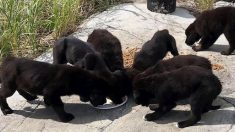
216,117
219,48
84,113
224,115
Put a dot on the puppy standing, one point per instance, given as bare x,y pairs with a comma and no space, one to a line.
77,52
176,63
154,50
209,26
31,78
109,47
72,50
198,84
82,54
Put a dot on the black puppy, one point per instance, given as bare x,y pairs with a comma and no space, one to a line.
109,47
209,26
155,50
176,63
198,84
118,80
80,53
72,50
31,78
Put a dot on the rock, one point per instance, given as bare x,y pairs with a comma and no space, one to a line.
133,24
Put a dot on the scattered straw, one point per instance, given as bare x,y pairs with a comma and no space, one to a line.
128,56
217,67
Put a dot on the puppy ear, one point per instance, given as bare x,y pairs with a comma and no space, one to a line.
58,52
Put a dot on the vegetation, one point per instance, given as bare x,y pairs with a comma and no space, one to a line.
204,4
28,27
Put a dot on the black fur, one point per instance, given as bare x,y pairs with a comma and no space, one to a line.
109,47
31,78
79,53
71,50
155,50
177,62
209,26
198,84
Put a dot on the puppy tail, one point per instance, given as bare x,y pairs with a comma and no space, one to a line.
214,107
172,46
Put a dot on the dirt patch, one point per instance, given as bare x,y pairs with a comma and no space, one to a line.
217,67
128,56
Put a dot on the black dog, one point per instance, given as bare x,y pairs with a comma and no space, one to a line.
72,50
31,78
155,50
119,79
176,63
79,53
209,26
82,54
198,84
109,47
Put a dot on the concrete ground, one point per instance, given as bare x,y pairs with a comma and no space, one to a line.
133,24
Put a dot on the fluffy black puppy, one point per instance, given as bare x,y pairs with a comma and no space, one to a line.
109,47
176,63
155,50
198,84
118,80
209,26
72,50
31,78
80,53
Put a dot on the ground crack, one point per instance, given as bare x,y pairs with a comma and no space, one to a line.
43,127
103,128
231,126
31,113
226,100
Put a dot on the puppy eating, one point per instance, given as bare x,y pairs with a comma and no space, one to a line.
177,62
32,78
154,50
198,84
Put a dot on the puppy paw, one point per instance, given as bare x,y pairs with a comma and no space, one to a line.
153,107
183,124
67,117
149,117
7,111
224,53
196,48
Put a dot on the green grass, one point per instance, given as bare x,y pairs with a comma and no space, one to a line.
204,4
26,25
